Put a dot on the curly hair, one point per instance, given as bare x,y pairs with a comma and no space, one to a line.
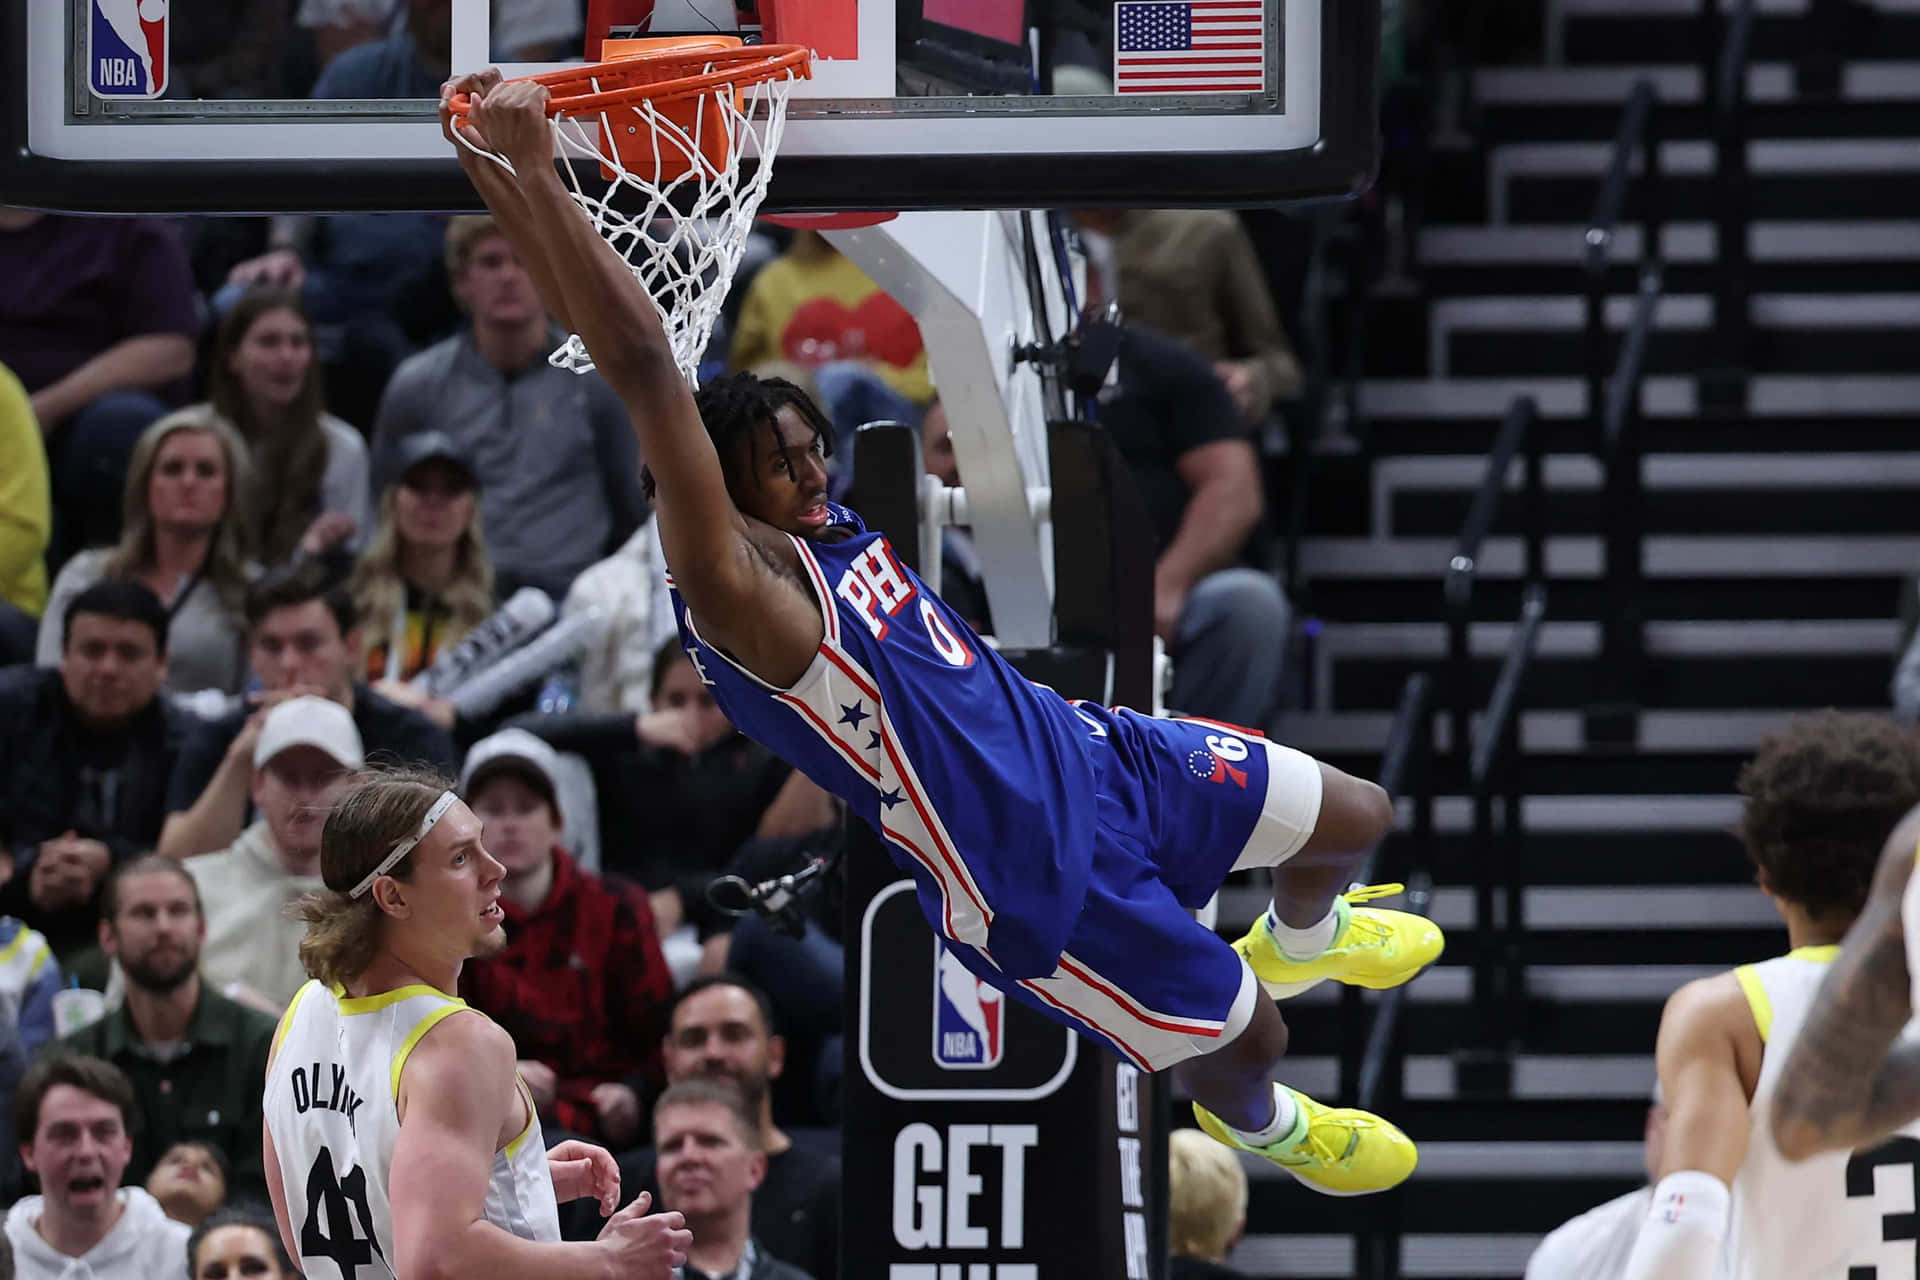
733,405
1822,796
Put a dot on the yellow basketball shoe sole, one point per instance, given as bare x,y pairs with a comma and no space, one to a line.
1372,947
1334,1150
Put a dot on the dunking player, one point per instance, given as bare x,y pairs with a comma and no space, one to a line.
1821,796
1057,847
398,1137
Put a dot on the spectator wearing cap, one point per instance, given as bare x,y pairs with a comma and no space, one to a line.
556,457
84,763
195,1058
312,490
303,638
425,580
306,750
581,984
98,321
187,539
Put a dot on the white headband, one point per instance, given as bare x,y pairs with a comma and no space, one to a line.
401,850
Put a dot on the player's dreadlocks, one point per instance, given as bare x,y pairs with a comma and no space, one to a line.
1822,796
735,404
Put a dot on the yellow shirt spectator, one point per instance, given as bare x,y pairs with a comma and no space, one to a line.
813,306
26,509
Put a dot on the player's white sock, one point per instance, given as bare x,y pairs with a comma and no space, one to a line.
1304,944
1285,1116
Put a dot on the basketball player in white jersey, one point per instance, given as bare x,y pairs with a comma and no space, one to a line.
399,1140
1822,796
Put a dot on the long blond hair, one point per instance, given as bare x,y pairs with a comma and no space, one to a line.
381,808
379,590
226,565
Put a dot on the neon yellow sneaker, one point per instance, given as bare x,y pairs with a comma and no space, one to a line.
1337,1151
1372,947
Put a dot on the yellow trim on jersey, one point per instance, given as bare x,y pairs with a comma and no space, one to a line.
426,1024
532,1116
373,1004
1817,955
1757,1000
286,1019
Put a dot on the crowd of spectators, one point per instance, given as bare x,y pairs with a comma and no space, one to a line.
265,488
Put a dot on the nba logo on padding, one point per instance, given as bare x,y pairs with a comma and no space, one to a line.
966,1016
127,48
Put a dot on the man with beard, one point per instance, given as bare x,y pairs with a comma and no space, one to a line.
195,1058
722,1028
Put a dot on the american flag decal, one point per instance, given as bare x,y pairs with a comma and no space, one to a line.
1190,46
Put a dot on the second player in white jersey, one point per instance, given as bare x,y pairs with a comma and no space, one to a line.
1823,796
1845,1215
332,1106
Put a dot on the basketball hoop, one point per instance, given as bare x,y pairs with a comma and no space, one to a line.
667,122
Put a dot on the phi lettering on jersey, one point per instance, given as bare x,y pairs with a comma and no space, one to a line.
326,1090
875,585
967,1016
128,47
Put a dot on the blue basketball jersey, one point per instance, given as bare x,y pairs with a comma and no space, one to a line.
981,783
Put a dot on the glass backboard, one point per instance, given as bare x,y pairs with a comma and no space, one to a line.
271,105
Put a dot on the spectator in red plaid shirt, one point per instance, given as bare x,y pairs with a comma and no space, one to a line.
581,985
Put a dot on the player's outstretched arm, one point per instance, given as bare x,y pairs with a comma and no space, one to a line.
1707,1130
1845,1085
701,533
454,1096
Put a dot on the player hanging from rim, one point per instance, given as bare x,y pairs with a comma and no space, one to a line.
398,1134
1821,797
1057,847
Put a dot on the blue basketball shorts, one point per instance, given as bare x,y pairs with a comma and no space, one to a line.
1182,803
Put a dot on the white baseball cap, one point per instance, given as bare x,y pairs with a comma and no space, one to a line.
517,751
310,722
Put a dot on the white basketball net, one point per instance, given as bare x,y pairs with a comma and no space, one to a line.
683,237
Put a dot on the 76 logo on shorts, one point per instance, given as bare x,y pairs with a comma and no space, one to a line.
1216,763
967,1015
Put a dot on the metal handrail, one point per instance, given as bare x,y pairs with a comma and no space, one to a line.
1726,85
1519,431
1638,131
1495,770
1613,405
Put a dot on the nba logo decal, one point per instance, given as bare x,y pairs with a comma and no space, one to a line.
966,1016
127,48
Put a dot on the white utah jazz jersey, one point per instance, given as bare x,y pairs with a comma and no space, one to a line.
1839,1215
330,1106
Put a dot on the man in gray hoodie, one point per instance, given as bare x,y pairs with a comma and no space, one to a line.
73,1115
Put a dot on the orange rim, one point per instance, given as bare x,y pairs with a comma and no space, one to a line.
650,77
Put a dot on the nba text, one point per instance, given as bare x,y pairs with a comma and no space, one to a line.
328,1091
